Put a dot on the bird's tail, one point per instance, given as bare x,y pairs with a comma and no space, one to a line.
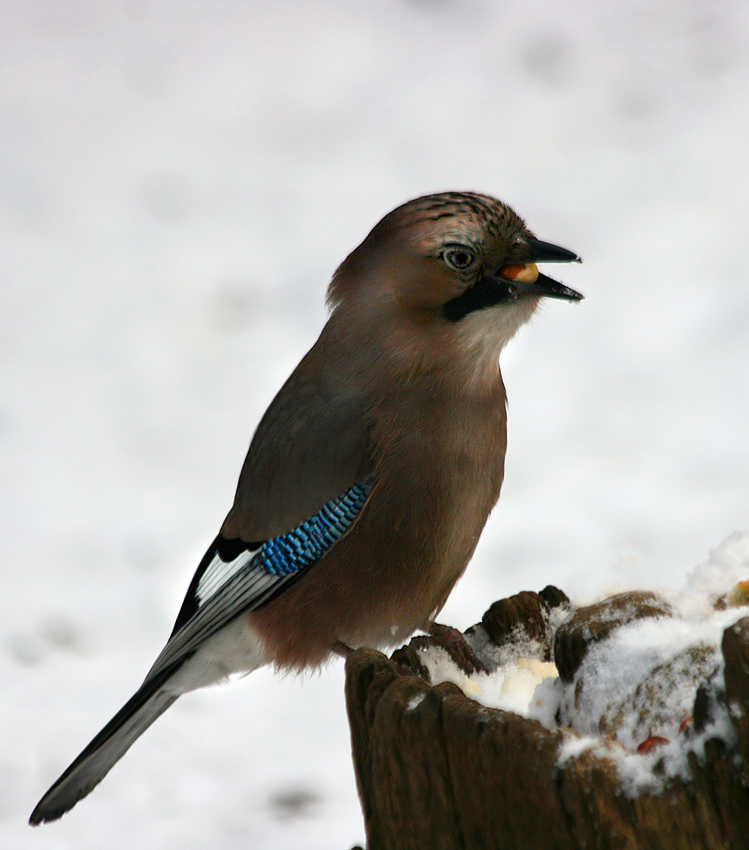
106,749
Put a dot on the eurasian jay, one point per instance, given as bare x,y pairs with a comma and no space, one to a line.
372,473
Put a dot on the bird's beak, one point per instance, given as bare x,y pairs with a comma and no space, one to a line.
545,252
526,278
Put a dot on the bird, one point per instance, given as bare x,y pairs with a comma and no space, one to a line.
371,475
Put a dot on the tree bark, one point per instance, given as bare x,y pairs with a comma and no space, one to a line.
438,771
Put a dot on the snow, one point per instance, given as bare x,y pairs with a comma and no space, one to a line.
640,681
416,701
510,686
178,182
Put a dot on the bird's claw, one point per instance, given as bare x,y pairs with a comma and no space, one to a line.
455,645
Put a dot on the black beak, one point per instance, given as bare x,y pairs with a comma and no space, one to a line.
550,288
545,252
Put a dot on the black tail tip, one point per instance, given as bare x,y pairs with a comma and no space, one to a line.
41,815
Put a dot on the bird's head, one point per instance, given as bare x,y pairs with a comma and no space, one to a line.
455,257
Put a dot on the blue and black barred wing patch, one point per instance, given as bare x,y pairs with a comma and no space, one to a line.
235,577
307,543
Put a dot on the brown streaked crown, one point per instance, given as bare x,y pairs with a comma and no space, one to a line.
421,226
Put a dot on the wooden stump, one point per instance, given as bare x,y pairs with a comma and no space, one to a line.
438,771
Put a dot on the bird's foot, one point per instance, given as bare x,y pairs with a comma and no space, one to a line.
455,645
340,648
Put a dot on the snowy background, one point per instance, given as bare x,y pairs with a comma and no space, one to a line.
178,180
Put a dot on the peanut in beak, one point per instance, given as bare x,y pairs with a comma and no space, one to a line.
521,273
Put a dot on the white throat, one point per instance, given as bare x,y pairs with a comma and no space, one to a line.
482,334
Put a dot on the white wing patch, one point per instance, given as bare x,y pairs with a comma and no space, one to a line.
219,572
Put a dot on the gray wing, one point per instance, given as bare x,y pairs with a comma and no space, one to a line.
310,446
307,472
235,586
234,578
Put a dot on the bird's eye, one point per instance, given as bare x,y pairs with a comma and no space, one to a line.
459,257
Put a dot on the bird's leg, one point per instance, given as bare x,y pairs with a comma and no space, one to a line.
340,648
457,647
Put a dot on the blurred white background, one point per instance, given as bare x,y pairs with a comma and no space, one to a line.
178,181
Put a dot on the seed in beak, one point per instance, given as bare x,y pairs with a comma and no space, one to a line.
522,273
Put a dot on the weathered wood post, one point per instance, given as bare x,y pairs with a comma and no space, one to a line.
438,771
